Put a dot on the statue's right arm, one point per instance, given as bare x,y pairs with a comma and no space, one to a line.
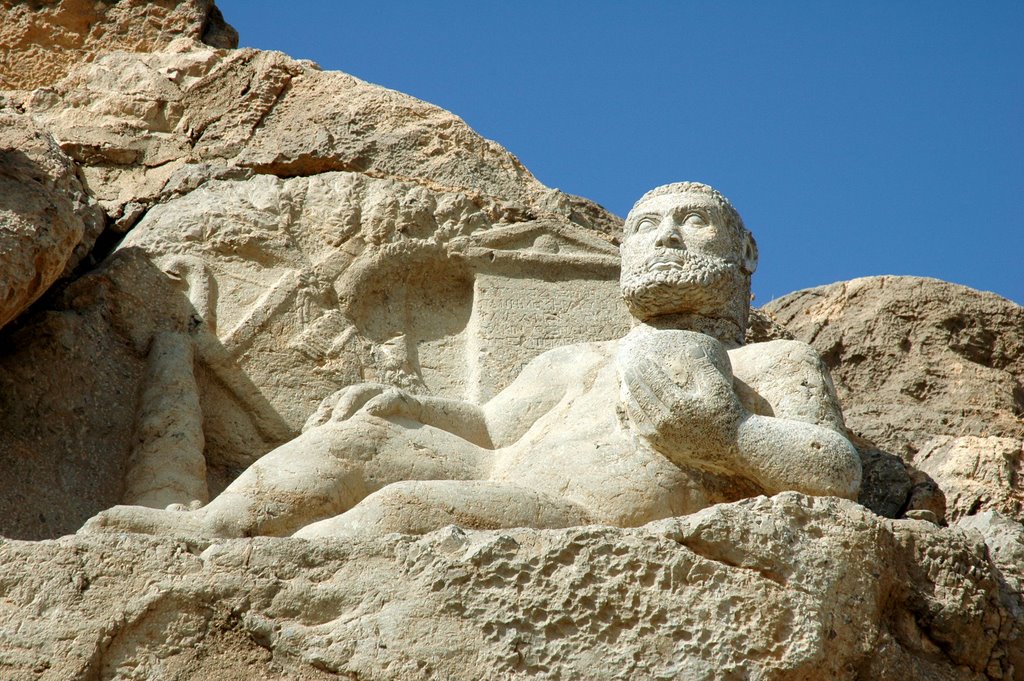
507,416
498,423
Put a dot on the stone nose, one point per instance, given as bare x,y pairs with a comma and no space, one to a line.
669,236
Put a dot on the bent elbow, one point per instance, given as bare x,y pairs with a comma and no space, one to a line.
834,470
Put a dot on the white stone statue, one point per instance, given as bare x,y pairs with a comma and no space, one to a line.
669,419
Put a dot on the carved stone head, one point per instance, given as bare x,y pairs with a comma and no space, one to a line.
685,251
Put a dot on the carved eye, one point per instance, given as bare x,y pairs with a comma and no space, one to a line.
644,224
695,220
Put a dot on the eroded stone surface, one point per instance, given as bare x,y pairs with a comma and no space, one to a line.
47,221
791,587
43,40
914,360
289,289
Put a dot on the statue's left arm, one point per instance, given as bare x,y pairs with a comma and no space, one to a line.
795,437
774,419
788,380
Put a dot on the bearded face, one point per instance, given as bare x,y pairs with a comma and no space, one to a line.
679,256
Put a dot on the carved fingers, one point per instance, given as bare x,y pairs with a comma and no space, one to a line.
394,403
351,399
688,386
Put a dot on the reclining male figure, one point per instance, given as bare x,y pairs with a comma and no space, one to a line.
671,418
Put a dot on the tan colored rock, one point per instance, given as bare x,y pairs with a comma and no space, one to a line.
47,221
1004,537
71,378
621,432
147,128
290,289
43,40
976,474
915,358
786,588
140,123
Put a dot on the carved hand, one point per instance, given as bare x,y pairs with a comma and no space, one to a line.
678,394
351,399
394,402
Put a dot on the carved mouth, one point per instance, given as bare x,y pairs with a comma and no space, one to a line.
665,264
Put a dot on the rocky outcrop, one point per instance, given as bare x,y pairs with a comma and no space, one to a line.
1004,538
147,126
931,379
43,40
289,231
791,587
915,358
48,223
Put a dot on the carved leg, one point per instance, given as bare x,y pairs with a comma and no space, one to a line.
167,465
323,472
417,507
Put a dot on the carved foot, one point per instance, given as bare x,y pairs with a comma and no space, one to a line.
142,520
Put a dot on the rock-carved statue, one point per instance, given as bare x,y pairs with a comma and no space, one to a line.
673,417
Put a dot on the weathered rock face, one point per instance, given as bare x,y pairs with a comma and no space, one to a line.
791,587
915,358
47,221
976,474
148,126
291,231
42,40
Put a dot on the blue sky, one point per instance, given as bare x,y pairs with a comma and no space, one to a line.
854,138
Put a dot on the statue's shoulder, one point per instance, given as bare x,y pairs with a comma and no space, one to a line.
792,350
777,357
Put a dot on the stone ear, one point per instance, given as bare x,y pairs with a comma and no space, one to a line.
749,248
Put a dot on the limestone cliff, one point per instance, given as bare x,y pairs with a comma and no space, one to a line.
153,185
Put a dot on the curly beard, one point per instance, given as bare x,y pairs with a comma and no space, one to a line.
700,284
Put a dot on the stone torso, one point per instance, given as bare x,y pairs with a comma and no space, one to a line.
584,448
